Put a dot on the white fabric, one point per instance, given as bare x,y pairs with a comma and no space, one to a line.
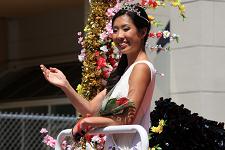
131,141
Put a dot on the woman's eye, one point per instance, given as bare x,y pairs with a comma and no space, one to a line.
114,30
126,29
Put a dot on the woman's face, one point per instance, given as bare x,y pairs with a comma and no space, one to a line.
125,35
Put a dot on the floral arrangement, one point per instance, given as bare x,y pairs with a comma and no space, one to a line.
99,54
47,139
90,142
178,129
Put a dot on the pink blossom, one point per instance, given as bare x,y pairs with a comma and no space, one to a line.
109,27
80,39
103,35
79,33
117,7
110,12
50,141
81,57
44,130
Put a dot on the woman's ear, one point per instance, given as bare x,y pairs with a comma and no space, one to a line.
143,32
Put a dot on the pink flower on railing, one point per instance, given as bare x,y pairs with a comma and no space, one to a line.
44,130
48,140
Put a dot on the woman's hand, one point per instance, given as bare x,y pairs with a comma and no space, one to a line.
79,130
54,76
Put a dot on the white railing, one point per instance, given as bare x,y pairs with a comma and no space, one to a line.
111,130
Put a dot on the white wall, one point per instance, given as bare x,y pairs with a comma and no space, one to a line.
197,62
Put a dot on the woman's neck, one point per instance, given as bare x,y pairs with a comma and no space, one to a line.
141,55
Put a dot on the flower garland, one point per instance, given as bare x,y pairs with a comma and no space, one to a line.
98,58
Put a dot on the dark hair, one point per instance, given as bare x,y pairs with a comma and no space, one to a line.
140,21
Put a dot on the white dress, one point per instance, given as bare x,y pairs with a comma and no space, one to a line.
131,141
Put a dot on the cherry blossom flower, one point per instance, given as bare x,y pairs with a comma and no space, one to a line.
79,33
103,36
44,130
80,40
50,141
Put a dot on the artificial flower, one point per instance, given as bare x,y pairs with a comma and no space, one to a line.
103,36
97,53
80,39
158,129
43,130
50,141
104,48
159,34
79,89
79,33
182,8
151,18
101,62
162,122
152,35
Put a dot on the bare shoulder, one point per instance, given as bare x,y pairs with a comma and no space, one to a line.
141,68
141,72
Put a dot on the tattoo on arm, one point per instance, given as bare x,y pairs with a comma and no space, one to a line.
127,117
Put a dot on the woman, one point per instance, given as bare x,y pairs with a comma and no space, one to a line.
134,79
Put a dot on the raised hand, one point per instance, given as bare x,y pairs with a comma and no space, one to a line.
54,76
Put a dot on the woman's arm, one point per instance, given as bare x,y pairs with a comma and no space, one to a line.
138,83
57,78
82,105
93,122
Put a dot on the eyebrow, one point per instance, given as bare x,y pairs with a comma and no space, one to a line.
124,25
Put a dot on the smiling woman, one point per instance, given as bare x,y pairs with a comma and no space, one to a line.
133,81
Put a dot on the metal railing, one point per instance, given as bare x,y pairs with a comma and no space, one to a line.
22,131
